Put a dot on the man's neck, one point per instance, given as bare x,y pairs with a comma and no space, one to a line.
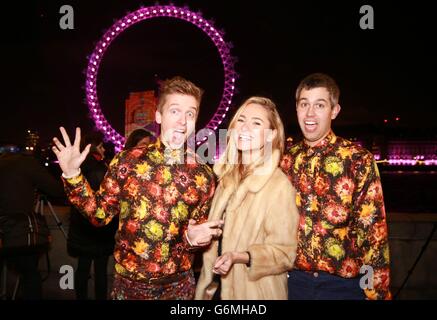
169,145
313,144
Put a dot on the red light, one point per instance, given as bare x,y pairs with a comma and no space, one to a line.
397,118
385,120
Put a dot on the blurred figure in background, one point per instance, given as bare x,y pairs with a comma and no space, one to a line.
21,175
139,137
85,241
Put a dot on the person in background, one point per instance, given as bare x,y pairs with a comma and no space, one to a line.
91,244
22,179
139,137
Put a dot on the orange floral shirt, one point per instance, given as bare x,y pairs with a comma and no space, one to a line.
342,217
155,191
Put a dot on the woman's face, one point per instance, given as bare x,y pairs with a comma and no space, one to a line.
144,142
101,150
252,128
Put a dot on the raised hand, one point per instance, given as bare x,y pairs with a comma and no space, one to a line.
202,234
69,156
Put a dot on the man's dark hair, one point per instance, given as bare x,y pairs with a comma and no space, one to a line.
320,80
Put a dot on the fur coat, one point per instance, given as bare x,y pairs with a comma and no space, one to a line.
260,217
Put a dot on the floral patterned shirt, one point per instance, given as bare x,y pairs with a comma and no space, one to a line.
342,217
155,191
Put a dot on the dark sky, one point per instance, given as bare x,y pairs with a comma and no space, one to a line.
382,73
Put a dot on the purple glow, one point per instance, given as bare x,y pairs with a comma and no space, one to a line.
411,162
431,162
144,14
417,153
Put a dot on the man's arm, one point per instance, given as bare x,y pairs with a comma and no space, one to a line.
101,206
199,232
371,226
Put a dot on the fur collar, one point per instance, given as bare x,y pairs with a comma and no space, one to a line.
232,196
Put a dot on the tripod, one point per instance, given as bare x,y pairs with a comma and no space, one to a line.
40,208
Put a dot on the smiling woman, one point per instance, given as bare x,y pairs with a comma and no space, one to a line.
257,202
215,35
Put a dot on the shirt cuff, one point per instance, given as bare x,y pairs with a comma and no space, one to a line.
72,175
188,239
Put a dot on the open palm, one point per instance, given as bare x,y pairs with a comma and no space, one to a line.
69,156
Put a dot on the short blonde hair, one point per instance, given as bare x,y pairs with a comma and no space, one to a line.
178,85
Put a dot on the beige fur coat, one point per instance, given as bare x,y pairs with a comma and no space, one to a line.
262,218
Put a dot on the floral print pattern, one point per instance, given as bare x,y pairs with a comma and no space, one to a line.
342,216
155,192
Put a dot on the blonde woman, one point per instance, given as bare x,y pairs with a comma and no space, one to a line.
257,202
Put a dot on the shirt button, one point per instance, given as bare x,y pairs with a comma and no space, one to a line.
315,274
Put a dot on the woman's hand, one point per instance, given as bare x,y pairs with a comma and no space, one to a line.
225,262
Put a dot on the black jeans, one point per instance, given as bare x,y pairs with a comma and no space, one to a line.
319,285
100,277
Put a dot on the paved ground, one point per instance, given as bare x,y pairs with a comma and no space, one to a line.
57,257
408,233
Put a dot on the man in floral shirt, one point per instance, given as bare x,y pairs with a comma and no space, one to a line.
162,196
343,244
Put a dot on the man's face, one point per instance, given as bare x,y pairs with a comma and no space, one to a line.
315,113
177,119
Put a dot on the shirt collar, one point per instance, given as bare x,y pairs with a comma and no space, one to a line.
184,154
323,146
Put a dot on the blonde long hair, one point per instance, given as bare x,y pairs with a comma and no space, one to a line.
230,169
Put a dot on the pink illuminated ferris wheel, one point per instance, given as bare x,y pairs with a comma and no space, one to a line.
216,36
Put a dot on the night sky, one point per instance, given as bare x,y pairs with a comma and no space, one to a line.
383,73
